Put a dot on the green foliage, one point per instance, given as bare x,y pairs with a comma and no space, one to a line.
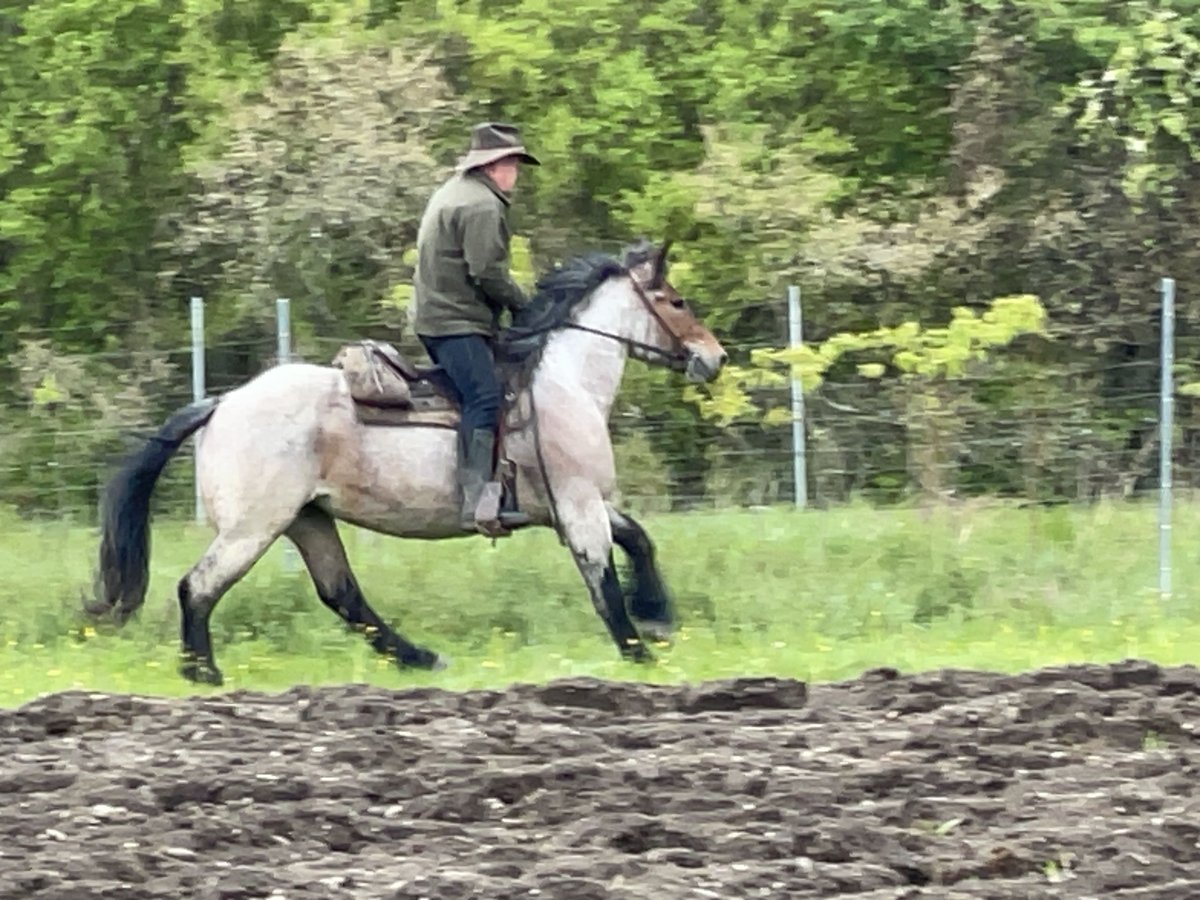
1147,99
319,189
89,140
227,49
914,354
895,160
73,412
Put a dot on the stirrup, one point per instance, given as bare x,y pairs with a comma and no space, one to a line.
493,521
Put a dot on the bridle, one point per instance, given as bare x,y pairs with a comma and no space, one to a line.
677,357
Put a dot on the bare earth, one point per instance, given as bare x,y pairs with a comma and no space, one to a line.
1065,782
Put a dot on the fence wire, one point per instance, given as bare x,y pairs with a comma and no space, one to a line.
65,428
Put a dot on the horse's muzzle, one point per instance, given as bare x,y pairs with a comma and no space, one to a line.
704,366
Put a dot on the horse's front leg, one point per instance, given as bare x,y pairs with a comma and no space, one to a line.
588,532
649,601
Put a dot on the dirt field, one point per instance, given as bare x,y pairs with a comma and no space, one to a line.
1076,782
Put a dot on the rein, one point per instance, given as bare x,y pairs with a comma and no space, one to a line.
676,357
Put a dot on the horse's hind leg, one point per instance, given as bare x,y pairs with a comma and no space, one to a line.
315,535
649,601
229,557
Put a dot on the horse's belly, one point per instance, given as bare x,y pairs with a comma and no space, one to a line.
400,481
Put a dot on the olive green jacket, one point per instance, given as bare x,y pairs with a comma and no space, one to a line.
462,283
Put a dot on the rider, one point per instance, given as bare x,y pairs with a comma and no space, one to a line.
461,286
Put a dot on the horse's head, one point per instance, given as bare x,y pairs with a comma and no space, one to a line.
675,335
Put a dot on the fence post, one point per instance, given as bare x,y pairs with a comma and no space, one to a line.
198,388
283,329
1166,433
799,450
283,354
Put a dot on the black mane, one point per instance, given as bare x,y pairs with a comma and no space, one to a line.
557,293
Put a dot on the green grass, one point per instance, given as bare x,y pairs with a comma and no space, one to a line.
818,595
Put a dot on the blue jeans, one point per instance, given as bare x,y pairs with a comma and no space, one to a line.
468,360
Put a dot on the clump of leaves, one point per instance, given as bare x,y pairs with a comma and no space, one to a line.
915,355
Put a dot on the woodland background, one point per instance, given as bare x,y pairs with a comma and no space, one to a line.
977,200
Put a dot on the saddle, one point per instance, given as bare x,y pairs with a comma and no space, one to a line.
388,389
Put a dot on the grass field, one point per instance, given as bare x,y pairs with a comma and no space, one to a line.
817,595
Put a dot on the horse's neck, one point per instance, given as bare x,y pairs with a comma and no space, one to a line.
591,364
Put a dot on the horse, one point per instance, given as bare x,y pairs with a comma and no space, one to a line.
293,451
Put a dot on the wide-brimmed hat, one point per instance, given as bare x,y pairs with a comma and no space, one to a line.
492,141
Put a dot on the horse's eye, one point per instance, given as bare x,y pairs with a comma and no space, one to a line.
678,302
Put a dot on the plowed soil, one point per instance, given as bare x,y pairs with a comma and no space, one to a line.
1068,782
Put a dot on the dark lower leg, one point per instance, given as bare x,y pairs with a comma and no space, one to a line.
610,603
197,664
347,600
648,598
316,537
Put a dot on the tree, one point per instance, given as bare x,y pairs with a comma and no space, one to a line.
318,192
89,142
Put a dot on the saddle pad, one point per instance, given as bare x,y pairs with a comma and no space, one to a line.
410,417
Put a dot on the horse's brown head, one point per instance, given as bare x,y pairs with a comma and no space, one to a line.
680,334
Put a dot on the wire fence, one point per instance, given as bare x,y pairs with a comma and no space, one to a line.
1021,436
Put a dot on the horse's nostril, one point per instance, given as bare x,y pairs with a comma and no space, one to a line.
724,359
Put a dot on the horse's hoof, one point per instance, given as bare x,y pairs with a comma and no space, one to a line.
638,653
422,659
657,632
201,673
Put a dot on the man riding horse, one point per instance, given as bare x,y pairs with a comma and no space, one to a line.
462,286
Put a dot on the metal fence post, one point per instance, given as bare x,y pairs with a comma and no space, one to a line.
799,450
198,387
1166,433
283,354
283,329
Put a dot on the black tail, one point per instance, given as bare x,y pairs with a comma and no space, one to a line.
125,515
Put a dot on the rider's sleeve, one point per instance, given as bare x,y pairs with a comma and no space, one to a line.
485,247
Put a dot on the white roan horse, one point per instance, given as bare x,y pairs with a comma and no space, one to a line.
291,451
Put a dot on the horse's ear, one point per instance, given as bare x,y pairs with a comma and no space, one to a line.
660,263
642,261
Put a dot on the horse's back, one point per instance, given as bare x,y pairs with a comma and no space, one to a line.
289,391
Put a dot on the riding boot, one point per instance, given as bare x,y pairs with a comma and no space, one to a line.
481,508
474,467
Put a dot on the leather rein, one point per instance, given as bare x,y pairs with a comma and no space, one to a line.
677,357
